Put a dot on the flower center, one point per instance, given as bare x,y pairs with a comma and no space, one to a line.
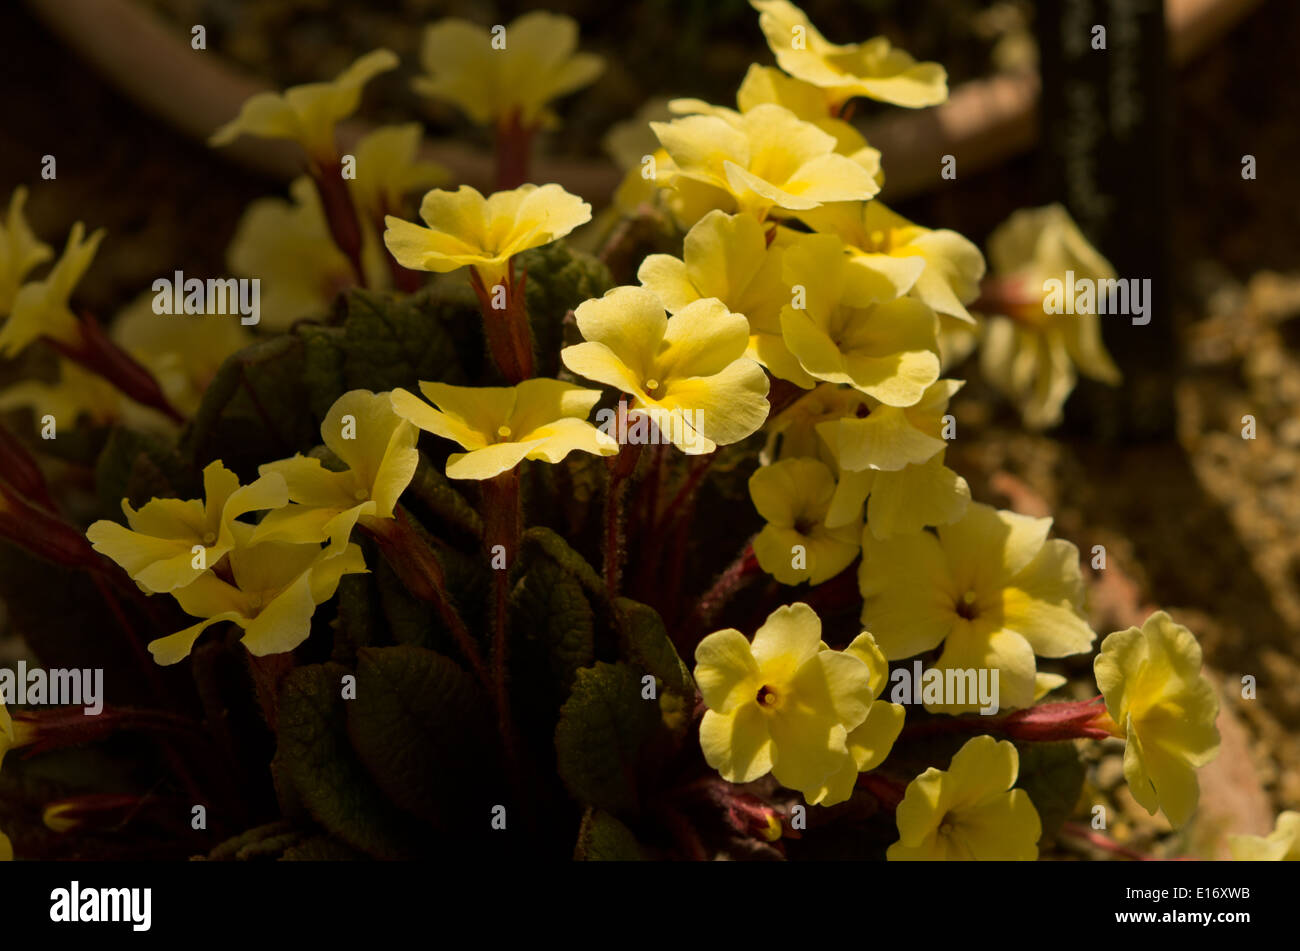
768,698
946,826
651,385
209,538
966,606
879,241
504,432
361,495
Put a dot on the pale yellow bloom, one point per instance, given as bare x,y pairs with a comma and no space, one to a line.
795,545
1280,845
20,250
41,308
389,167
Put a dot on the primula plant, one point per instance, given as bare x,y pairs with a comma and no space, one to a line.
472,544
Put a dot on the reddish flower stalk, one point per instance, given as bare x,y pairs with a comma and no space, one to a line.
60,727
509,337
340,213
620,469
1105,843
741,571
99,354
1042,723
501,530
43,534
21,471
888,792
514,146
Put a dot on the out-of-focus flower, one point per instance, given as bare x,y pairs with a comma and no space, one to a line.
940,268
688,373
277,586
969,812
991,588
1151,680
389,168
1280,845
503,426
727,257
846,332
76,394
767,158
378,448
510,76
12,735
781,704
40,309
464,229
307,114
795,545
873,69
20,250
1031,356
160,550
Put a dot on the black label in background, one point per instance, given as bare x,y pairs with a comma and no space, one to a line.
1104,154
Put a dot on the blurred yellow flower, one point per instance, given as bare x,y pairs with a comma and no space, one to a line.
20,250
172,542
990,588
466,229
389,168
40,309
848,330
781,704
688,373
510,74
378,448
969,812
76,394
1280,845
766,158
276,589
872,69
795,545
502,426
308,113
1029,355
1151,680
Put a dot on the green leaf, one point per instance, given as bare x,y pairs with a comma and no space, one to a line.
1053,776
138,467
423,729
392,341
318,759
602,838
645,641
559,279
551,613
558,550
321,848
603,726
440,499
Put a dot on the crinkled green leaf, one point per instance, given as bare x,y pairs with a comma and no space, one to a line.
602,838
645,641
1053,776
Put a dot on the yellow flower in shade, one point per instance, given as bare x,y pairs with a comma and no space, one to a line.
1027,354
969,812
171,542
850,331
793,432
940,268
41,307
307,114
20,250
466,229
77,394
503,426
1281,845
183,352
990,588
873,69
688,373
277,586
389,168
12,736
781,704
795,545
501,77
6,848
287,245
870,742
766,158
378,448
727,257
1151,680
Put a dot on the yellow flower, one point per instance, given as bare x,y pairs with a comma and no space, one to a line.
1028,354
766,158
899,502
389,168
533,63
12,736
849,331
287,245
20,250
77,393
794,431
795,545
159,548
1281,845
870,742
277,586
969,812
1151,680
307,114
502,426
781,704
6,848
875,435
688,373
990,588
940,268
378,448
41,307
727,257
466,229
873,69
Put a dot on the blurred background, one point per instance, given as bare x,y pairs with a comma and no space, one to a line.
1195,518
